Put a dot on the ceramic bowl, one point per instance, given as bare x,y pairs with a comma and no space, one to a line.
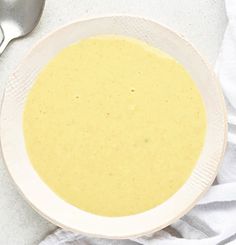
47,203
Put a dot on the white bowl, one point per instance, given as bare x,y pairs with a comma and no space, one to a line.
47,203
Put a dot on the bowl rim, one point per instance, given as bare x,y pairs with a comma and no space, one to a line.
220,94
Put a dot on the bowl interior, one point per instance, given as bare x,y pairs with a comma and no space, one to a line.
49,204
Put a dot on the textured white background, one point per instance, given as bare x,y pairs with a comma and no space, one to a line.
200,21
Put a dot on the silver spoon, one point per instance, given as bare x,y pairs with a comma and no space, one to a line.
18,18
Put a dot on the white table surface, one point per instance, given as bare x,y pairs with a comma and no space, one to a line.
200,21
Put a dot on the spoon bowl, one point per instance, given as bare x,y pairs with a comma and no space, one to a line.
18,18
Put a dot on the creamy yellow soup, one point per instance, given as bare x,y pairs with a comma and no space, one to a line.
114,126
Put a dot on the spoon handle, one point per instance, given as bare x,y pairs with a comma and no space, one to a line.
6,40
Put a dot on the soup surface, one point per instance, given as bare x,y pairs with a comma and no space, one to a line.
114,126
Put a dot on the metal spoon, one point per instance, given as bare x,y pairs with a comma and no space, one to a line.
18,18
